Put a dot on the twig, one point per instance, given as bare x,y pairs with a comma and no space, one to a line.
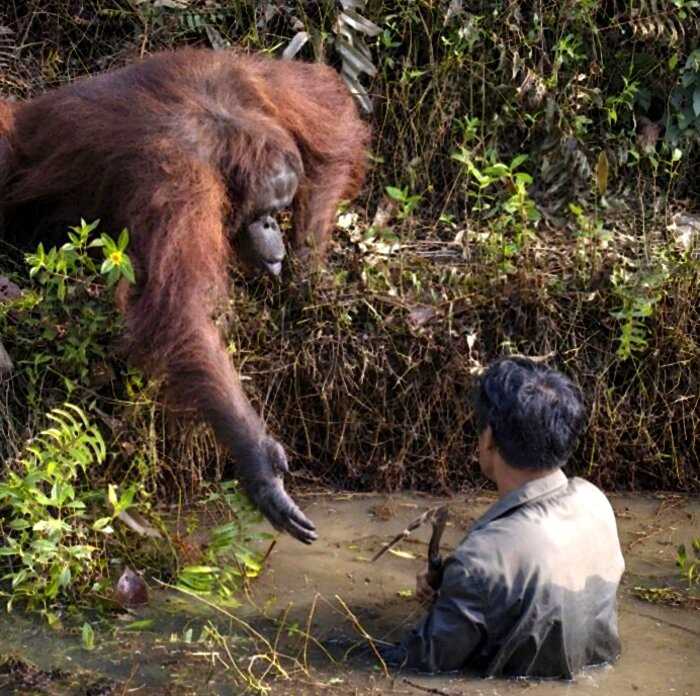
672,624
268,552
127,683
426,689
312,611
364,634
428,516
212,605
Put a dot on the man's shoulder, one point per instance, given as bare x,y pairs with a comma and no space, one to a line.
582,484
578,500
589,492
484,547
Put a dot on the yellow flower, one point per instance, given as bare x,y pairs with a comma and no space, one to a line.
116,258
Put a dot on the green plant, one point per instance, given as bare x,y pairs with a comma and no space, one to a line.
55,268
616,104
500,191
71,315
568,51
592,239
639,287
409,202
228,560
50,546
58,519
684,118
689,566
486,171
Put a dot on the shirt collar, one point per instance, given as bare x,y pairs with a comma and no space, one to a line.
525,494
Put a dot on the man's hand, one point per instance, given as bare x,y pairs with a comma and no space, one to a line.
425,594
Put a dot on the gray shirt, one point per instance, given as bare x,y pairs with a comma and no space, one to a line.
531,590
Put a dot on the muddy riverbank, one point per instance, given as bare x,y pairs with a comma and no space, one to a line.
301,628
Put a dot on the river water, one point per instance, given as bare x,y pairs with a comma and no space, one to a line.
303,627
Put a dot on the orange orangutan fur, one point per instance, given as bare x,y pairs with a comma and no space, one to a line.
174,148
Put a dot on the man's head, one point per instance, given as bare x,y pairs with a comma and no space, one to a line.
528,415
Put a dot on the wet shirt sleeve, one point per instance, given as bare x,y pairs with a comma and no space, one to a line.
454,628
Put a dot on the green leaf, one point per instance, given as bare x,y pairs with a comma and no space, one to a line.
109,244
462,155
65,577
88,637
112,495
517,161
123,239
498,170
84,228
200,570
126,499
128,270
51,526
81,553
19,524
142,625
100,524
75,505
395,193
20,577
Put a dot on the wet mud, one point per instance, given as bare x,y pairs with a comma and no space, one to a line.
305,625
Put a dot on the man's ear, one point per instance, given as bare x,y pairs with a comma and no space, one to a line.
487,441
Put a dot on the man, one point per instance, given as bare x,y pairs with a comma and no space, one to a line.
531,590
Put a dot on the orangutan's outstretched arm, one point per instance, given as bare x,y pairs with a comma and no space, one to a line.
182,254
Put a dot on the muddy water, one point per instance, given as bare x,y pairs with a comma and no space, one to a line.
334,591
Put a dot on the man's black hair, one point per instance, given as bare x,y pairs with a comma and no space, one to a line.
536,414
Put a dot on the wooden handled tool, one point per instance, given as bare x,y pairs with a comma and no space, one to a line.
435,563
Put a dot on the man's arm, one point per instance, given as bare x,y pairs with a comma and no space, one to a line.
454,627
